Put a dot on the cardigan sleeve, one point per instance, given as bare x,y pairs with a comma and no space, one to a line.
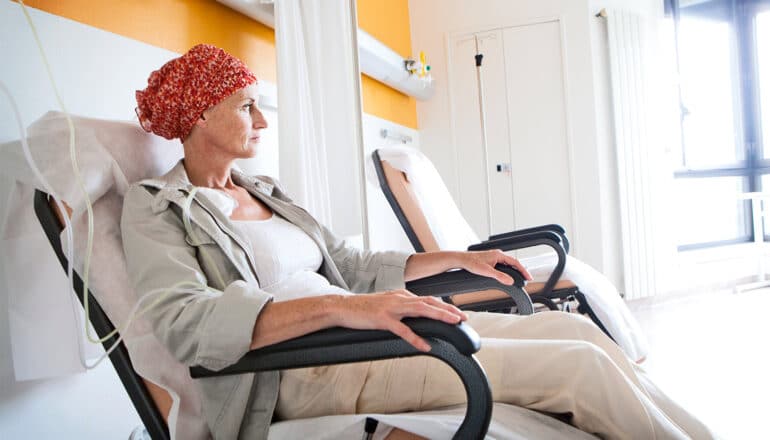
366,271
198,324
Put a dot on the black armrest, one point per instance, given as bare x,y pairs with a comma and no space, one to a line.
340,345
544,238
462,281
557,229
529,239
453,344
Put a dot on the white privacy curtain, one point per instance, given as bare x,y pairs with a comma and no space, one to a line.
319,110
642,112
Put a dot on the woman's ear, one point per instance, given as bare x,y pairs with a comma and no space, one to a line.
201,122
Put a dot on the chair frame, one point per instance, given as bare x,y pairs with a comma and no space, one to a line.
145,406
452,344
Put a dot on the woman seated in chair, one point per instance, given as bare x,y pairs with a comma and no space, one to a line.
255,269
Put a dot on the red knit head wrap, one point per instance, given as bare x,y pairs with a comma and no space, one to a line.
179,92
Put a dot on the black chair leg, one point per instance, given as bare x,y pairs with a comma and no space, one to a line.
585,309
548,302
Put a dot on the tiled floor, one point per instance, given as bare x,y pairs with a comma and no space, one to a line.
711,352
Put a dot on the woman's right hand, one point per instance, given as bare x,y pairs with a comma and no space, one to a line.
385,310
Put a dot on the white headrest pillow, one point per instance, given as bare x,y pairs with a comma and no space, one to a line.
109,154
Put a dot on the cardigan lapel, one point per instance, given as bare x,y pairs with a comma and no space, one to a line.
175,187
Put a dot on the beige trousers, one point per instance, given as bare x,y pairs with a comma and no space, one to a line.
552,361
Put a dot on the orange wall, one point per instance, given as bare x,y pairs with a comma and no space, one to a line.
387,21
177,25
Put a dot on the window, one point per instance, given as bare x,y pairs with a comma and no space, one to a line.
724,69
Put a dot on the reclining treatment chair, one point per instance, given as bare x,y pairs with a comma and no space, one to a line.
553,294
120,152
453,344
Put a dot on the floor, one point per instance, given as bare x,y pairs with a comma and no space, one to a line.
710,352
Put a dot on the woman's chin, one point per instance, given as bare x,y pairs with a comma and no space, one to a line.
250,149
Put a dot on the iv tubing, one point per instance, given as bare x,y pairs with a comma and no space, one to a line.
76,170
162,293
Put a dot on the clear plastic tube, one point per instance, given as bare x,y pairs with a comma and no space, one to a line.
159,294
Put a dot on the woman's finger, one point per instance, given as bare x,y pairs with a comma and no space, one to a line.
510,261
438,302
422,309
404,332
488,270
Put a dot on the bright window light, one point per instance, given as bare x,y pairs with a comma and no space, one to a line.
706,58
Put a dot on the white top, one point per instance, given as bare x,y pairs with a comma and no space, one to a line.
287,259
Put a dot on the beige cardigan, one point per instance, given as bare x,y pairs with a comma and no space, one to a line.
214,330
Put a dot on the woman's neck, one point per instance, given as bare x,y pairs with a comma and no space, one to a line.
208,171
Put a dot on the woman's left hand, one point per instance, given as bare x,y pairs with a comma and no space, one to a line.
483,263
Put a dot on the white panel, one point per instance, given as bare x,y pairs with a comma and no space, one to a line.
635,63
538,128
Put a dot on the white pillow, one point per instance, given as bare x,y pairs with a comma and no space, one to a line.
109,154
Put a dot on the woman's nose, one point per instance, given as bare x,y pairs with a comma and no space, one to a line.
259,120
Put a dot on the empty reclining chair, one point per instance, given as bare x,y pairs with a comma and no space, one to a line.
405,203
431,221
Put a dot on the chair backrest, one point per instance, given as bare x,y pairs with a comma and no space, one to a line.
421,201
137,390
402,199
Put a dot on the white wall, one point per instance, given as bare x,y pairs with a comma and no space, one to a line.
596,235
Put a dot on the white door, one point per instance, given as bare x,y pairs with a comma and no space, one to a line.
524,101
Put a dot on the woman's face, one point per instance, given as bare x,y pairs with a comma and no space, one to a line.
233,126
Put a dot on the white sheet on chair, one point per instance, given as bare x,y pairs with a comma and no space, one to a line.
446,222
35,283
111,154
41,316
602,297
452,232
509,422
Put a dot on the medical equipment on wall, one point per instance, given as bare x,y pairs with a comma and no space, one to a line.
158,294
395,135
419,68
482,116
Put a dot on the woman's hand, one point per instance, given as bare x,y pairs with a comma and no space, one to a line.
385,310
424,264
483,263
